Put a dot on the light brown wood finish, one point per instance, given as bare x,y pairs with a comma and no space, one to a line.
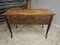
30,16
29,12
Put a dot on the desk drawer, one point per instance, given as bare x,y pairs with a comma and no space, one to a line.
26,19
42,19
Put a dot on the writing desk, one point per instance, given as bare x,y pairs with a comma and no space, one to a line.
29,16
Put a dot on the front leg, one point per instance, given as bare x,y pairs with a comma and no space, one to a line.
49,26
9,27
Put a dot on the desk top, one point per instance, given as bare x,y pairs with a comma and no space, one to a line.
29,12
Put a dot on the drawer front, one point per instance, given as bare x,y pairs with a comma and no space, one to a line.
26,19
42,19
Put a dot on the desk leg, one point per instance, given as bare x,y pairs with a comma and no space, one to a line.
9,26
49,26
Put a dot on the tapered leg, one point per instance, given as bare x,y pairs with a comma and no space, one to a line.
49,26
9,27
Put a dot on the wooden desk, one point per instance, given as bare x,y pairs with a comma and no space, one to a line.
29,16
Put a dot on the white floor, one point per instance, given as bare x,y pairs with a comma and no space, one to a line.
29,35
